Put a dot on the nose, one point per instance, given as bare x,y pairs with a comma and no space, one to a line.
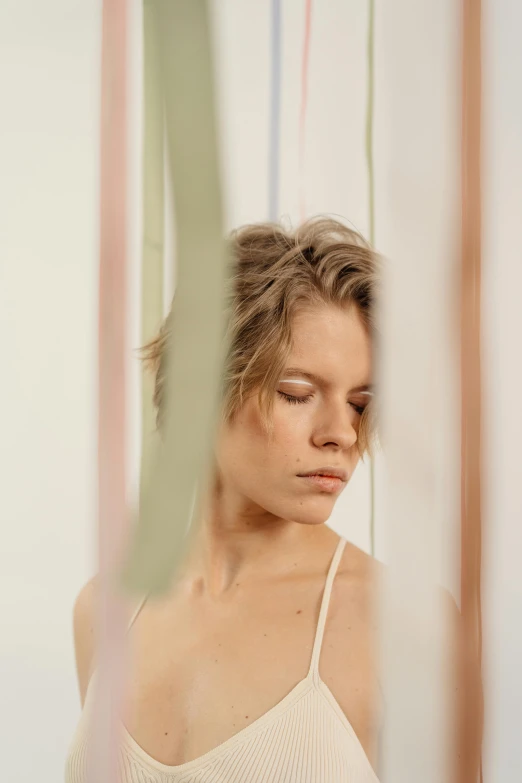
335,427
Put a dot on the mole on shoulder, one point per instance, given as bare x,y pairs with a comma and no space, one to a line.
299,611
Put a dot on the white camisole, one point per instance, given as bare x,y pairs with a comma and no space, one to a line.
305,738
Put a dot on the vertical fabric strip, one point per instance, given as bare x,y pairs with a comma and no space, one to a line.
112,512
471,403
153,223
196,344
369,118
275,113
304,106
371,210
417,352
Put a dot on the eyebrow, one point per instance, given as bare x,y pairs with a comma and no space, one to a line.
365,387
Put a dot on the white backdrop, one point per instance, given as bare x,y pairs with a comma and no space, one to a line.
49,77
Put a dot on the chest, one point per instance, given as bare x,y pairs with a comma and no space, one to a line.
203,671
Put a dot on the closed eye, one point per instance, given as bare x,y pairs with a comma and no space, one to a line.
295,400
359,409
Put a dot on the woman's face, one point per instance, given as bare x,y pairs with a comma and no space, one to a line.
316,416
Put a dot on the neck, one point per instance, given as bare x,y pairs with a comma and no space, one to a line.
236,541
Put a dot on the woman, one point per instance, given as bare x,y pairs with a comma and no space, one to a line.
260,665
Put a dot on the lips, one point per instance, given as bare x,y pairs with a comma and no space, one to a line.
328,479
328,472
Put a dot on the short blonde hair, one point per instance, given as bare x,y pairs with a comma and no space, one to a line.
274,272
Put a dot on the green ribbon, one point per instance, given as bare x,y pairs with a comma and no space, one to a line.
153,225
196,347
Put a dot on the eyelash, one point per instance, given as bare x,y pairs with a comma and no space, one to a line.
300,400
295,400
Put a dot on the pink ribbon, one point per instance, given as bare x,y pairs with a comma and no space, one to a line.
102,764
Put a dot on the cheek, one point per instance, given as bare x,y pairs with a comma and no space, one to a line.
292,422
290,434
245,450
243,444
354,461
266,459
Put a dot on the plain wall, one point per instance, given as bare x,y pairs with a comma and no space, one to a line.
49,66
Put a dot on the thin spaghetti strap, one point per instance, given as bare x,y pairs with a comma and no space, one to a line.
319,634
136,612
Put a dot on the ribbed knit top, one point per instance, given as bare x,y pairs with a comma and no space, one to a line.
305,738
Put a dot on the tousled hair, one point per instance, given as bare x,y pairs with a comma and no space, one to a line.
275,271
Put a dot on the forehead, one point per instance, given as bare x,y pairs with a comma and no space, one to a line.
333,343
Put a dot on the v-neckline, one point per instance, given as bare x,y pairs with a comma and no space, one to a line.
310,682
291,698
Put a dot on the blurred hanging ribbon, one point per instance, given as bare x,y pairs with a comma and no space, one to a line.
153,225
304,106
196,345
469,716
113,518
275,113
371,210
369,117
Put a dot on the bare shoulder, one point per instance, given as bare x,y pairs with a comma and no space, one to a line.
354,602
360,572
349,661
84,613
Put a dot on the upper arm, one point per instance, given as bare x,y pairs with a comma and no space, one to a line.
84,637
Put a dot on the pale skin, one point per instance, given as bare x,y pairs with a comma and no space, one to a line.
234,634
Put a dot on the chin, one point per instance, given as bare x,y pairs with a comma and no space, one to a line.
311,518
309,512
